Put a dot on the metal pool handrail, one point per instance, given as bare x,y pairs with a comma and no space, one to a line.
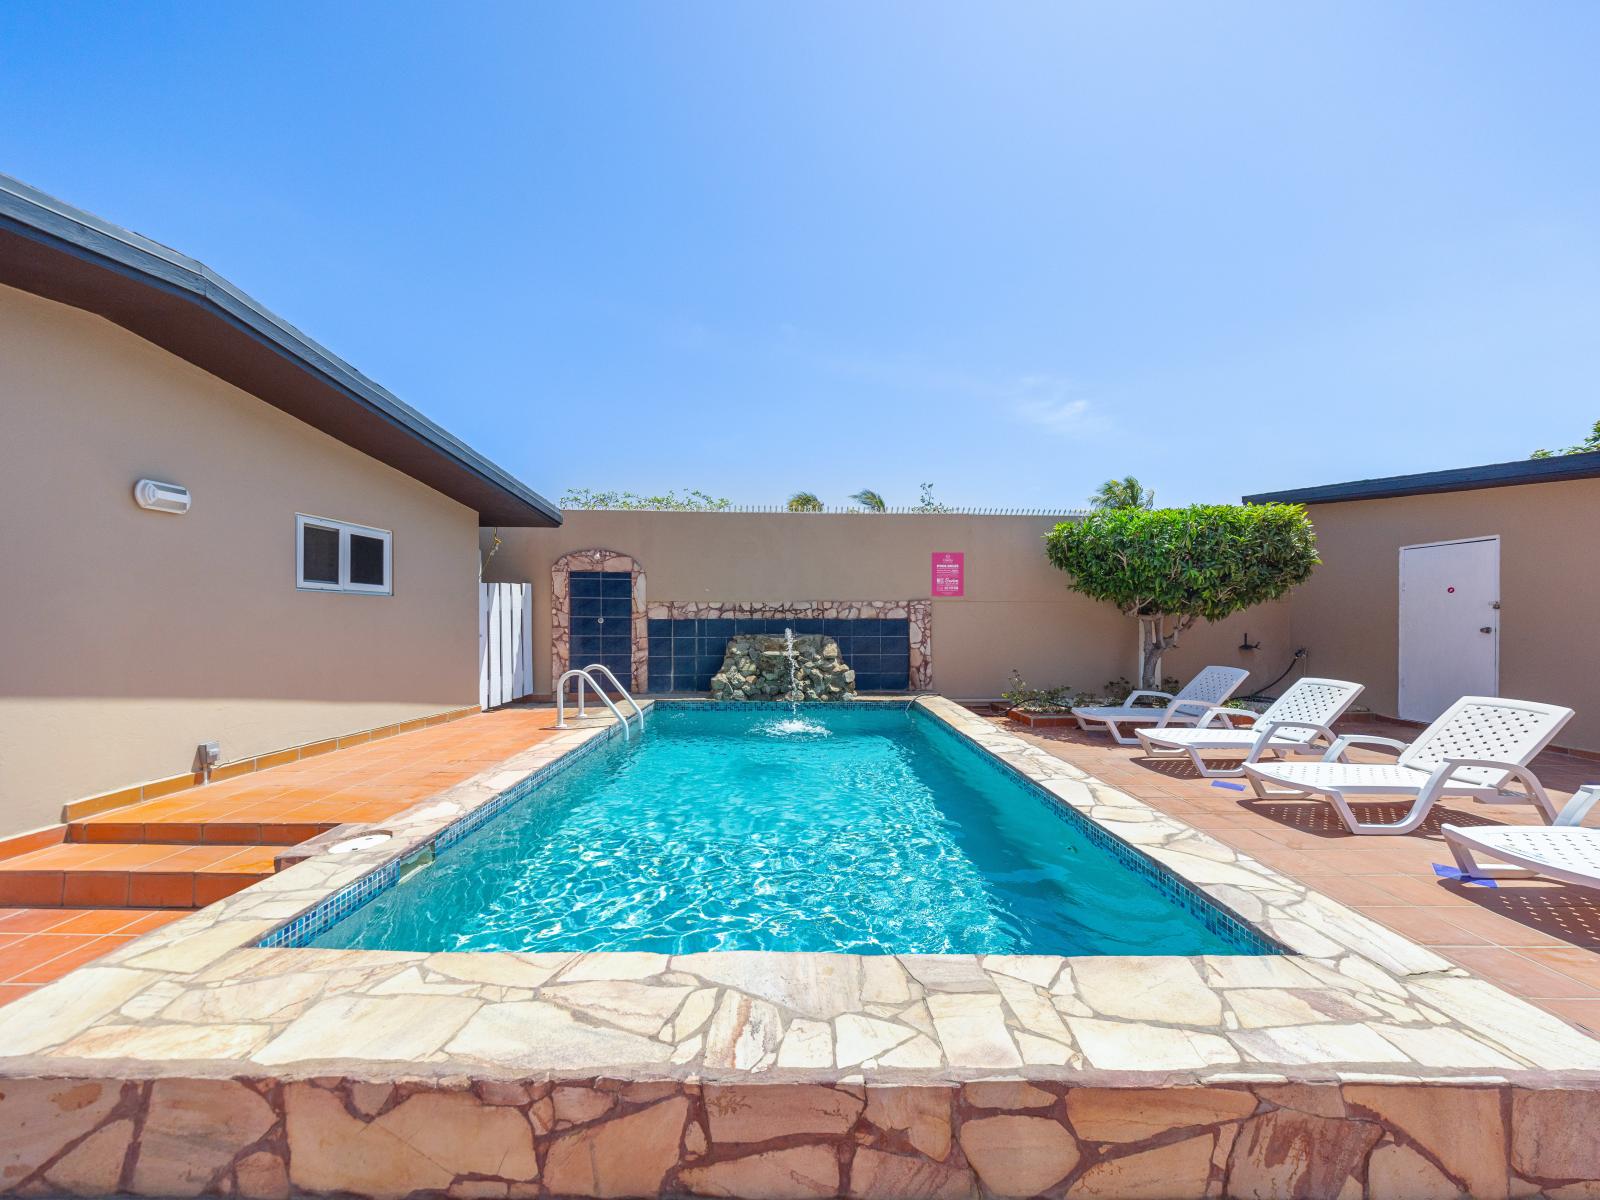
561,701
616,683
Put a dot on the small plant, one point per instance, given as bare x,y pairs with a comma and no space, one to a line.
928,504
1031,699
1117,691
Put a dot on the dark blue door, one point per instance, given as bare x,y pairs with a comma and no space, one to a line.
601,603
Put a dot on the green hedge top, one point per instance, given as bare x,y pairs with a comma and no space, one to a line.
1207,561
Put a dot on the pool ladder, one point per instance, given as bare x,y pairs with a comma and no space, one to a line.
582,675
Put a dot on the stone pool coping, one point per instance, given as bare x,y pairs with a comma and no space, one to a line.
194,1061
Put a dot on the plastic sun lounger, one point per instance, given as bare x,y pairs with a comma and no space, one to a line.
1204,692
1298,722
1478,746
1565,850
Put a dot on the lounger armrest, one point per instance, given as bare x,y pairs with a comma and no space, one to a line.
1133,697
1530,782
1269,731
1197,708
1341,744
1215,712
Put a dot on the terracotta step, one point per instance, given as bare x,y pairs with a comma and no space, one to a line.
144,875
126,825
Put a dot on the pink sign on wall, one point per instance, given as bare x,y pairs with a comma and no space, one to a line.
949,573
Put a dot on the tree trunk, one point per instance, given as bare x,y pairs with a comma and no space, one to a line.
1154,641
1151,644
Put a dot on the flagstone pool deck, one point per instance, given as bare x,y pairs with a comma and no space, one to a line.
1538,939
192,1061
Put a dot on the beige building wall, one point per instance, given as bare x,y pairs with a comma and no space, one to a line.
127,637
1017,612
1348,613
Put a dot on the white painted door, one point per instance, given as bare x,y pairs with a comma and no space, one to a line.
1449,624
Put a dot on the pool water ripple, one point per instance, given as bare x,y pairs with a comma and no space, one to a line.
873,832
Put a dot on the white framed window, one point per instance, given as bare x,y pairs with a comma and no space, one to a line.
336,556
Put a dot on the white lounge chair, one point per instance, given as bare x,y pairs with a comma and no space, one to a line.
1565,850
1475,749
1202,693
1292,725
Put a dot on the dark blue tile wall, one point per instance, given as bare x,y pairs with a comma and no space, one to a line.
602,621
685,654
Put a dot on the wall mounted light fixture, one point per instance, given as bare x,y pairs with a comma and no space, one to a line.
161,497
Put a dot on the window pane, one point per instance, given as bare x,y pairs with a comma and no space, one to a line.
319,555
366,560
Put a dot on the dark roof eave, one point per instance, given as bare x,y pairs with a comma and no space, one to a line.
58,252
1461,479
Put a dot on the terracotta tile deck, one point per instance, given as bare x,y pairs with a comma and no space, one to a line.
290,803
1539,940
191,849
38,945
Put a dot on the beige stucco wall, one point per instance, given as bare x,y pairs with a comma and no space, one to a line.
1018,611
127,637
1348,614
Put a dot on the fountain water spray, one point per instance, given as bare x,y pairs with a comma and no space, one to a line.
794,671
796,723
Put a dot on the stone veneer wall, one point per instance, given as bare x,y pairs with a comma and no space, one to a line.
270,1137
561,610
918,612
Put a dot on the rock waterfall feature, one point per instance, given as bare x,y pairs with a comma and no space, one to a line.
757,667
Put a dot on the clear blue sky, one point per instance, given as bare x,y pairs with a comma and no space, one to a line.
1011,249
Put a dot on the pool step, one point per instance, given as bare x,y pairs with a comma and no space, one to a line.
130,825
145,875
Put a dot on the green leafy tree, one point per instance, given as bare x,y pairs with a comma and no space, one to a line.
928,504
804,502
1590,443
691,501
1126,492
870,500
1172,567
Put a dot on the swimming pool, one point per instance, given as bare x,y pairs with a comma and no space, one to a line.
863,829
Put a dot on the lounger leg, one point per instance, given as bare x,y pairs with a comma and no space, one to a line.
1210,772
1541,800
1284,793
1472,869
1151,751
1464,859
1122,739
1418,814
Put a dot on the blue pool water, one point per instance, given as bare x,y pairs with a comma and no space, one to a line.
875,830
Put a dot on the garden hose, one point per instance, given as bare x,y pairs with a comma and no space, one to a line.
1261,693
